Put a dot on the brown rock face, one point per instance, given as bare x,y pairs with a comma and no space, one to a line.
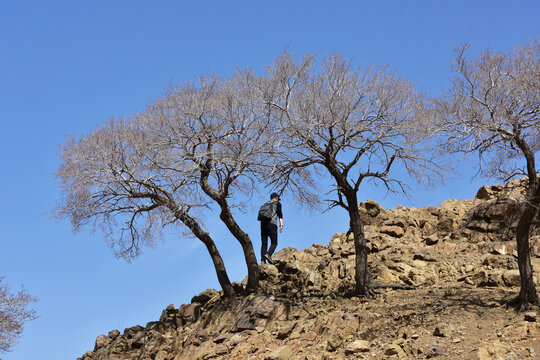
458,258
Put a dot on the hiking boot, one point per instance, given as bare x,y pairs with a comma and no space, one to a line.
267,257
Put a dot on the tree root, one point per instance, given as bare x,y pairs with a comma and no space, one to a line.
521,305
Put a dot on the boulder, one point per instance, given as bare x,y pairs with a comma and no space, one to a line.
431,239
102,341
511,278
357,346
333,343
189,313
399,222
498,249
205,296
496,351
285,330
484,193
394,349
262,307
530,316
392,230
268,271
370,207
243,322
283,352
113,334
443,330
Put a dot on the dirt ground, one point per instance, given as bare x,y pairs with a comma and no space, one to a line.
453,322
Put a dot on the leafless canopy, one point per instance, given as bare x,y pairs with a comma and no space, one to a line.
14,312
493,108
114,178
218,128
360,119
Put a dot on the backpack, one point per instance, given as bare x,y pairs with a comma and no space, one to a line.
266,212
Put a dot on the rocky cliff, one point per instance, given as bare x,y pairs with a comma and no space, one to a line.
456,265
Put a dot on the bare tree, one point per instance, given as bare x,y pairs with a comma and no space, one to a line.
117,179
199,144
221,129
14,313
354,124
493,109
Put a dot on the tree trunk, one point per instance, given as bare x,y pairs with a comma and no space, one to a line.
361,266
219,265
356,225
228,219
527,294
247,247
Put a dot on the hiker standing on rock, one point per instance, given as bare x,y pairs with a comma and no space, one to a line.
268,216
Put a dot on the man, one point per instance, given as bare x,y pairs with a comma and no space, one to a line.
270,229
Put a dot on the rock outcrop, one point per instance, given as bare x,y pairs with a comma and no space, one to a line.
460,258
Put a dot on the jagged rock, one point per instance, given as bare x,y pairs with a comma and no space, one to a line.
262,307
400,267
221,338
243,322
369,209
443,330
88,355
530,316
133,331
334,343
221,349
357,346
101,341
162,355
484,193
431,239
283,352
496,352
113,334
534,246
394,231
237,339
268,271
394,349
290,267
385,275
205,296
189,313
434,351
397,221
505,262
511,278
314,279
445,224
285,331
486,278
498,249
254,314
169,314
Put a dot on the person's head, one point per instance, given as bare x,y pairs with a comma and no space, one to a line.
274,196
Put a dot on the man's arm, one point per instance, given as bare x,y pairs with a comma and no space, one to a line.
280,215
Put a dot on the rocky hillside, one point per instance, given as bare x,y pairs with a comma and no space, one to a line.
458,258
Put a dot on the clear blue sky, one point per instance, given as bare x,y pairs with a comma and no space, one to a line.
66,66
